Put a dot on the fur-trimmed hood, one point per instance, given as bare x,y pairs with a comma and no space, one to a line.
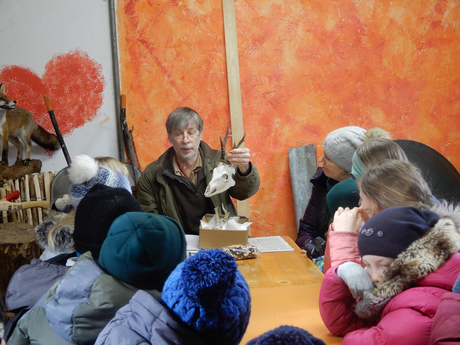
61,239
422,258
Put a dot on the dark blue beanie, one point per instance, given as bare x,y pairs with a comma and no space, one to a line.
142,249
208,293
286,335
391,231
96,213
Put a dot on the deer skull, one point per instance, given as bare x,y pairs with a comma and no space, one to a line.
222,175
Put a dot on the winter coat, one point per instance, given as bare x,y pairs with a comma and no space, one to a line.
446,324
146,321
155,195
341,247
39,274
400,310
316,218
76,308
42,273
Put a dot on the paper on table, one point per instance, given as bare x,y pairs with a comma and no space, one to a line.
270,244
192,244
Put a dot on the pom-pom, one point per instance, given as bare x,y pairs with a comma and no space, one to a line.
82,169
377,132
61,203
209,274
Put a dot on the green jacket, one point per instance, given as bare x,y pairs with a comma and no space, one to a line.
76,308
155,196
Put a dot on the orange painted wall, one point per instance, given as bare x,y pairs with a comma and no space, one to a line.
306,68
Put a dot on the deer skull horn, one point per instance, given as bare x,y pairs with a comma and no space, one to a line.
241,141
223,143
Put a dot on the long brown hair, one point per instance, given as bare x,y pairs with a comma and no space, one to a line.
394,182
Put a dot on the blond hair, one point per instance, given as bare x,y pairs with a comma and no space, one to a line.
393,183
375,149
113,163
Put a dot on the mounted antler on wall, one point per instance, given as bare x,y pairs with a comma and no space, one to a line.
222,175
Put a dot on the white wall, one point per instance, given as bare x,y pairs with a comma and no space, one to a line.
32,32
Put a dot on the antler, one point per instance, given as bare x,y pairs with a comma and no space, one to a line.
223,143
241,141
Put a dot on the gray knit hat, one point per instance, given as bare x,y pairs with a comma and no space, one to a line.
341,143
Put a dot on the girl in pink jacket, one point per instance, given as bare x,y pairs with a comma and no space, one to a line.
387,184
411,260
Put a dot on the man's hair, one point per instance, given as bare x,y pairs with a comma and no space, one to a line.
181,118
374,150
393,183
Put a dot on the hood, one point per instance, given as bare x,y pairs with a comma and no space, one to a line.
56,233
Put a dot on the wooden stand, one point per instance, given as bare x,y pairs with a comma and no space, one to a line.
17,248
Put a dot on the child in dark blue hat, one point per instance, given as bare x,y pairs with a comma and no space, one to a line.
141,251
411,260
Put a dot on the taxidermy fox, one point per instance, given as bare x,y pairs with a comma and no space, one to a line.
17,126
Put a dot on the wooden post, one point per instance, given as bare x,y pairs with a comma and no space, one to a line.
234,88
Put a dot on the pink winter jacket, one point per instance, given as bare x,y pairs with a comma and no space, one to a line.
406,319
341,247
401,308
446,324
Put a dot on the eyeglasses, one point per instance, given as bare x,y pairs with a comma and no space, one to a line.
192,135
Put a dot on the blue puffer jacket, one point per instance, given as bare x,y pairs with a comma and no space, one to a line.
76,308
146,321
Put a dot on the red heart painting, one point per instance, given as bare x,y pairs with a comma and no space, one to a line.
74,82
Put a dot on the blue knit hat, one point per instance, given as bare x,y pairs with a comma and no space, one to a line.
391,231
85,172
286,335
209,294
142,249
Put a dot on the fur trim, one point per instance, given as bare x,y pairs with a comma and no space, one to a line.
41,232
446,209
62,236
377,132
82,169
422,257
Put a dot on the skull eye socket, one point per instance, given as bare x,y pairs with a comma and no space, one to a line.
225,177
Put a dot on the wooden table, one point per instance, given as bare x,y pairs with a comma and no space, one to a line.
285,291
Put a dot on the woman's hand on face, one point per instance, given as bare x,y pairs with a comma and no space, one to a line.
347,220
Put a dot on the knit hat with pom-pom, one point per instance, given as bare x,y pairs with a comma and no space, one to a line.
208,293
84,173
287,335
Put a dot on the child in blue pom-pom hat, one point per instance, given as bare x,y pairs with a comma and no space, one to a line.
205,301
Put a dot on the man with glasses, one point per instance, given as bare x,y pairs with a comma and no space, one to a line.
174,185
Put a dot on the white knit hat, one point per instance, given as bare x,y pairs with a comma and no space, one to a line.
341,143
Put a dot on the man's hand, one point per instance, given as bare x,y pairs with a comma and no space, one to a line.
356,278
240,157
347,220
